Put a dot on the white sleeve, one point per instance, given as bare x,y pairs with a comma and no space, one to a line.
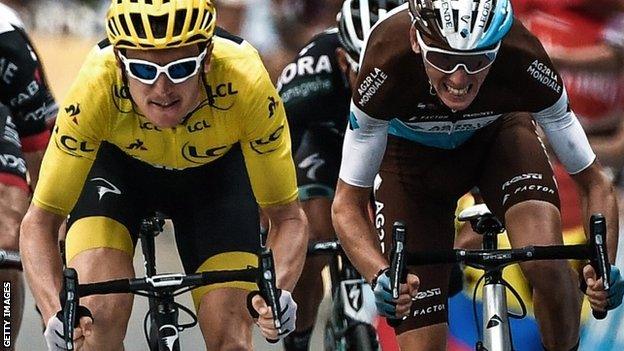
566,135
363,149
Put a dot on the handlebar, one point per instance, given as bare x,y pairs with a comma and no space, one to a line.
268,289
10,259
331,247
397,271
595,250
72,291
600,259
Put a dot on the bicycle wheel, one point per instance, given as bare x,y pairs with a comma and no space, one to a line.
361,337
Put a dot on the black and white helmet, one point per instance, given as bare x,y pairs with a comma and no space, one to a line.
357,17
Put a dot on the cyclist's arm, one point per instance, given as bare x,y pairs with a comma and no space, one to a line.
265,142
41,258
363,149
566,136
355,230
598,196
288,238
33,164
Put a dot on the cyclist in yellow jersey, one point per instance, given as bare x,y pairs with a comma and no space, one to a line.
174,116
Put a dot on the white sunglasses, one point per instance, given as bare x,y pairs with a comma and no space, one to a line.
447,61
177,71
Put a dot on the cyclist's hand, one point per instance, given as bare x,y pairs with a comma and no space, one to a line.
599,299
389,307
288,316
55,337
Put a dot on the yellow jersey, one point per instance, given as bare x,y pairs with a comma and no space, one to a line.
240,105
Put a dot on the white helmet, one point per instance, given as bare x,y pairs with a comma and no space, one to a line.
357,17
462,24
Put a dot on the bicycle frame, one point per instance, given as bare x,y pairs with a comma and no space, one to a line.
495,321
164,330
349,306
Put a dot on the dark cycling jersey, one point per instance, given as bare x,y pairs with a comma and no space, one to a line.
23,87
316,97
25,100
392,96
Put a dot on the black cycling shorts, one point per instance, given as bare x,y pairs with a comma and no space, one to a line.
420,185
212,207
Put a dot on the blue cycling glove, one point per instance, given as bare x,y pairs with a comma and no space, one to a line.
383,295
616,291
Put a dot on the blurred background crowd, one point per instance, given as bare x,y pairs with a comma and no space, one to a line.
585,39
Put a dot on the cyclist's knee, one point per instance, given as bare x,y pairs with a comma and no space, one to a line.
318,211
110,318
228,342
546,273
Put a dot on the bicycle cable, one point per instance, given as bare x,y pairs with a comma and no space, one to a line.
519,299
180,327
474,307
510,314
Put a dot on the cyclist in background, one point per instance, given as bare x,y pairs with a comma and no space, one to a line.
26,104
316,89
423,99
170,115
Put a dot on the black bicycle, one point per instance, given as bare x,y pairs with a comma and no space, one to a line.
350,325
162,331
496,335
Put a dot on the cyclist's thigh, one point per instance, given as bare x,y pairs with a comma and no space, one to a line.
404,191
109,208
318,163
517,167
101,234
216,222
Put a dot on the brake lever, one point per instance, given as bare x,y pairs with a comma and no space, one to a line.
600,261
69,303
397,271
268,288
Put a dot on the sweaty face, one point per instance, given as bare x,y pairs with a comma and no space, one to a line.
164,103
456,90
